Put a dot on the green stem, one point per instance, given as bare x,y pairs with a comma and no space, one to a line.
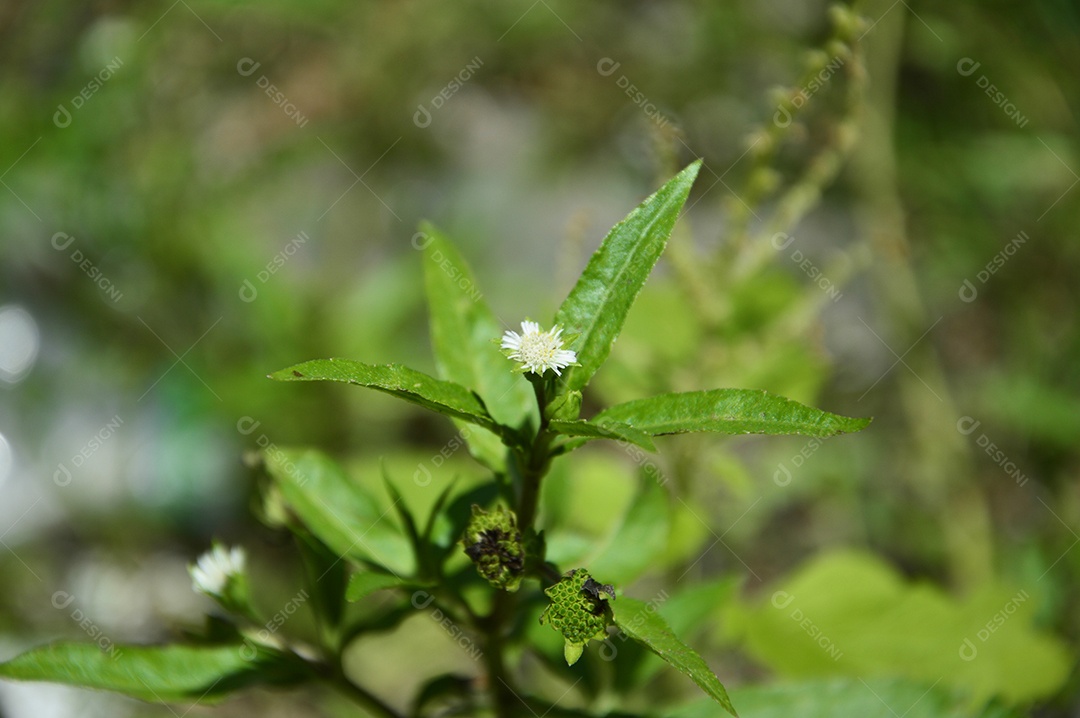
534,465
503,697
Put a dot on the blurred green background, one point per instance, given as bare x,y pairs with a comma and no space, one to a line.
199,193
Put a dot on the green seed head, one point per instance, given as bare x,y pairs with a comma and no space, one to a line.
493,542
579,611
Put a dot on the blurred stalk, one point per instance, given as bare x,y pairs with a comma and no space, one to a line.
938,464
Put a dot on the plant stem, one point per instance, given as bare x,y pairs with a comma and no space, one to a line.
534,465
503,697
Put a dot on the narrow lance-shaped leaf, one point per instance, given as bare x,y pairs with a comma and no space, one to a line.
641,622
364,583
155,673
613,430
411,385
463,336
728,411
336,510
598,304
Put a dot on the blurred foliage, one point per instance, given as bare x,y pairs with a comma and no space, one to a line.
180,179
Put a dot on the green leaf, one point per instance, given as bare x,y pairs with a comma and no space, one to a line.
728,411
445,397
641,622
983,645
564,407
404,515
603,430
598,304
364,583
326,577
872,698
690,611
464,337
338,511
155,673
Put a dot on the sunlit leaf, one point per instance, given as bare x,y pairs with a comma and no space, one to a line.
873,698
849,613
641,622
728,411
338,511
364,583
414,386
598,304
464,334
607,430
155,673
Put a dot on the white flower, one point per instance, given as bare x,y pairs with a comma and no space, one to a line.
214,569
537,350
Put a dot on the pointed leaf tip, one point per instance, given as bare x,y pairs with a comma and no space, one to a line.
597,306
